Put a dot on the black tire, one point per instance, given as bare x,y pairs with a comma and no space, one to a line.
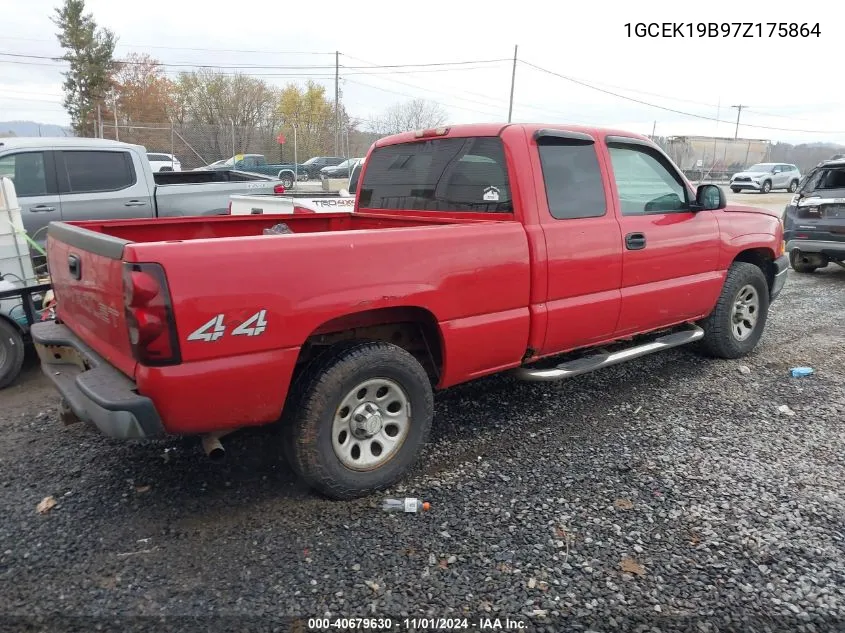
736,189
793,186
287,179
719,337
320,390
767,186
11,353
801,267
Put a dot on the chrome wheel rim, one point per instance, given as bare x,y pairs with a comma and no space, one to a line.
370,424
745,312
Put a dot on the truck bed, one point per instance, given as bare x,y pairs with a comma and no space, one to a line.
196,177
203,228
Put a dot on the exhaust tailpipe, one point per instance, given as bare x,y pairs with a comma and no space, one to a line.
212,446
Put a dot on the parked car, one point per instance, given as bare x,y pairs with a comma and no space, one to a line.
538,257
764,177
339,171
164,162
314,165
72,178
814,220
296,202
257,164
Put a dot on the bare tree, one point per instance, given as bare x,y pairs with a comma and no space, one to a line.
415,114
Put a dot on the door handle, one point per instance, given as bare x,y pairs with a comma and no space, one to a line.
635,241
135,203
41,208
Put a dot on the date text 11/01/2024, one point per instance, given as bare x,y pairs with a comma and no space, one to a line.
722,29
416,624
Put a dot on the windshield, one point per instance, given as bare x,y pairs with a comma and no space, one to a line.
761,167
310,161
344,164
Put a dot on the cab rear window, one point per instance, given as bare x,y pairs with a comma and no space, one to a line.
447,174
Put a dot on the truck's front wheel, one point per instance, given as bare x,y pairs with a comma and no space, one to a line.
358,419
736,324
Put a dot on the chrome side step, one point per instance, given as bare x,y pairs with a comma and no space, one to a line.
598,361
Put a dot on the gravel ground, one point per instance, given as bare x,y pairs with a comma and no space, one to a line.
669,493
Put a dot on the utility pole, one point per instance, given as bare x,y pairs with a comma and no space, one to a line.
336,104
99,121
738,112
653,130
513,81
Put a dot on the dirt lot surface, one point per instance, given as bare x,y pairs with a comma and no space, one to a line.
673,492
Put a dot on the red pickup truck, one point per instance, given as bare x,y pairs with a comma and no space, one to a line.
547,251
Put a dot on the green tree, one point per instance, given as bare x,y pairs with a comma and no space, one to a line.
89,51
314,116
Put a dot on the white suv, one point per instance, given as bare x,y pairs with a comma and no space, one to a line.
164,162
764,177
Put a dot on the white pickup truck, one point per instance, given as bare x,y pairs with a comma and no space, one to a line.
298,202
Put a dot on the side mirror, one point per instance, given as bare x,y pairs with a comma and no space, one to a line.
710,198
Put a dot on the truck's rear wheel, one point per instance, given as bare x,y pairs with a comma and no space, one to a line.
801,264
287,179
736,324
11,353
358,419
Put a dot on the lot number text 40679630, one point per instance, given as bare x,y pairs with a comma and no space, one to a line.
722,29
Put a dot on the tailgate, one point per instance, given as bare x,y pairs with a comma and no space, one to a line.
87,276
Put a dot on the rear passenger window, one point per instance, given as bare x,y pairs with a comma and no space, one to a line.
93,171
447,174
574,187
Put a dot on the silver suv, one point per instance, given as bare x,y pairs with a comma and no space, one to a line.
764,177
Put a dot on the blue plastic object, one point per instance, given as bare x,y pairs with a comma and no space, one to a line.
800,372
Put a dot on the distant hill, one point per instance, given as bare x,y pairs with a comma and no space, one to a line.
32,128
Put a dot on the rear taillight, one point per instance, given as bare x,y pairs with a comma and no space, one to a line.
149,315
279,190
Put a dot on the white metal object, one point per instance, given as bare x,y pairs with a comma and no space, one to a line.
15,263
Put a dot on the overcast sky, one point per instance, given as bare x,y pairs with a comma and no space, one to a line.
584,41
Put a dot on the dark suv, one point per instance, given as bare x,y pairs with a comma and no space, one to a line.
314,165
814,220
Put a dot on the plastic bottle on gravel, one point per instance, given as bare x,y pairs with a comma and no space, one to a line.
408,504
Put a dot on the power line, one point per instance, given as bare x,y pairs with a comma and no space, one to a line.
260,66
667,109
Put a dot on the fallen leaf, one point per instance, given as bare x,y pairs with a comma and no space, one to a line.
372,585
443,564
47,504
142,489
560,532
623,504
631,566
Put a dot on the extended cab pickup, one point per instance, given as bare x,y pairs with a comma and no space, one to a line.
544,251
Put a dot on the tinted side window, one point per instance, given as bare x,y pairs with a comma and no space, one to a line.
28,172
574,187
644,184
92,171
447,174
158,157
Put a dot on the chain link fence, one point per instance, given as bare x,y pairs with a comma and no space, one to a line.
197,145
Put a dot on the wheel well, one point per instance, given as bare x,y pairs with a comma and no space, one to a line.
763,258
414,329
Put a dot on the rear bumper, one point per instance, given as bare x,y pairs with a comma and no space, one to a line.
95,391
781,265
831,249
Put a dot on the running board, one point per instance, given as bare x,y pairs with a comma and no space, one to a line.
598,361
